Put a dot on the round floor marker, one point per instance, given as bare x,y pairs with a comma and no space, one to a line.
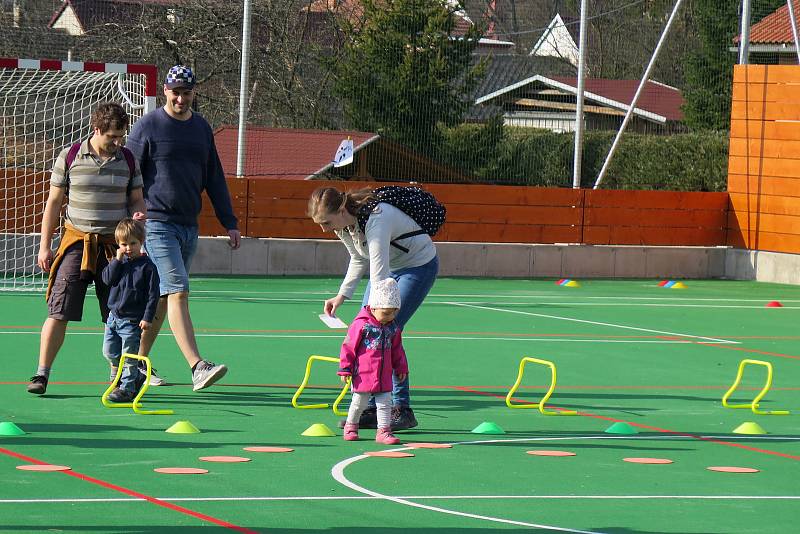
647,460
429,445
268,449
224,459
43,467
728,469
551,453
181,470
389,454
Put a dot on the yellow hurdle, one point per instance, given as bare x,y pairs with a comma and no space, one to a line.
338,400
136,405
753,405
540,404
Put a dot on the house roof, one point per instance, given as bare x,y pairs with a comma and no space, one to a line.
91,13
657,102
570,24
284,153
775,28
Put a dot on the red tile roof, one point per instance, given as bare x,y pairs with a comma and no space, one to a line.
775,28
656,98
283,153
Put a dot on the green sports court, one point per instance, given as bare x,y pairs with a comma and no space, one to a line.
626,351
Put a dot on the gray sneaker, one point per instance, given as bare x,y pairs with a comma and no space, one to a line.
155,379
206,373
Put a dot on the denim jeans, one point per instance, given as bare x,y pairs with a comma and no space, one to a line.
171,247
414,284
122,336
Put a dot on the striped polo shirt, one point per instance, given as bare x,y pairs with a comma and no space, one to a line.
98,190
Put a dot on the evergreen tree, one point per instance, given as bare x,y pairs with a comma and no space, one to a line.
405,72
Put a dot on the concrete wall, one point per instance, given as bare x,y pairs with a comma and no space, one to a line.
328,257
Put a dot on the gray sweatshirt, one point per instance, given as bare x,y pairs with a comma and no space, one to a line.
374,254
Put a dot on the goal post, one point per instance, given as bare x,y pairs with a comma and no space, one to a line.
46,105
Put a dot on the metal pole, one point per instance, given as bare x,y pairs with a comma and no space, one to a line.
576,165
794,29
639,90
744,36
243,86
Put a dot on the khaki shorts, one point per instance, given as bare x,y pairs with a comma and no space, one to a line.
69,289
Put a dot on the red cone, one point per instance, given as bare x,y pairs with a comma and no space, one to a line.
774,304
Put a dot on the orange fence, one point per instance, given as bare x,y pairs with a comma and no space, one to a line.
503,214
764,163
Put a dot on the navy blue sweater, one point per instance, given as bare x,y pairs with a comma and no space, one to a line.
134,288
179,160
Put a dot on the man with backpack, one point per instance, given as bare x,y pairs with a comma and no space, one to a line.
102,185
387,232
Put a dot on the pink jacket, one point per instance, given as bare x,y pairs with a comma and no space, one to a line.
371,352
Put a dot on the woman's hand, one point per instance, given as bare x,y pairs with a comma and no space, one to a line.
331,305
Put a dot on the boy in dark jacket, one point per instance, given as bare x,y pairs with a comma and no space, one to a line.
133,280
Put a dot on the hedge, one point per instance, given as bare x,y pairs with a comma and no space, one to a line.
525,156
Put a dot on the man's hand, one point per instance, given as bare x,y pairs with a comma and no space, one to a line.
401,376
144,325
45,259
235,239
139,216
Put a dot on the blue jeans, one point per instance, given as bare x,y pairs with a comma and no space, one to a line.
122,336
414,284
171,247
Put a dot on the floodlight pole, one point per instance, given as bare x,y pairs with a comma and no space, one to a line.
576,165
244,81
744,36
794,29
638,94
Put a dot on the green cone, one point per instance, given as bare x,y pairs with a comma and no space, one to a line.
621,428
487,427
10,429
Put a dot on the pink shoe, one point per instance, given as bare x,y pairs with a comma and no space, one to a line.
351,432
386,437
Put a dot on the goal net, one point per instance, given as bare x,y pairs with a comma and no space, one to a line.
45,106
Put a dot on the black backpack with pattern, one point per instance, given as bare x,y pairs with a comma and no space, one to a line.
415,202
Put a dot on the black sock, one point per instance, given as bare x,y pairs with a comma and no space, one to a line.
195,366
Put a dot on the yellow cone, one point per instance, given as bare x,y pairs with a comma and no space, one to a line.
183,427
749,428
678,285
318,430
572,283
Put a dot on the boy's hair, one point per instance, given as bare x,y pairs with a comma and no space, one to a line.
110,116
128,227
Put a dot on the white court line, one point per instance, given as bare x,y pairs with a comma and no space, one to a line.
532,303
519,295
337,471
597,323
410,336
415,497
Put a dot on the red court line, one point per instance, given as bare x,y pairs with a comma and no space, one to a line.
136,494
754,351
648,427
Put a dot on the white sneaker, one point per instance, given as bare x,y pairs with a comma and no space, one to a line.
206,373
156,380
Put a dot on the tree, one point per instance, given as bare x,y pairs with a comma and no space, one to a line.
405,72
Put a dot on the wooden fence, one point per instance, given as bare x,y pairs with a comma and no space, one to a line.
764,162
503,214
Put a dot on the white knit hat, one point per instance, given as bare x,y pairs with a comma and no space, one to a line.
384,294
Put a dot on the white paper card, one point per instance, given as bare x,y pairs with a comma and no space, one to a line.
332,322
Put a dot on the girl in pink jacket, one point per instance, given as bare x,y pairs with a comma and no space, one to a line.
371,352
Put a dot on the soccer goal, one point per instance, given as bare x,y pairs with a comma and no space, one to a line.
44,106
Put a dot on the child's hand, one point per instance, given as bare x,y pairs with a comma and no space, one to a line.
344,378
144,325
401,376
120,254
